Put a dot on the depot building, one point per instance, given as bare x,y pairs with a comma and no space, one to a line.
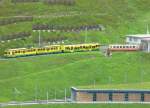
106,95
145,44
137,38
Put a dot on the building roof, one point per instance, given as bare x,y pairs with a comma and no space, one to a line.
140,35
111,90
131,86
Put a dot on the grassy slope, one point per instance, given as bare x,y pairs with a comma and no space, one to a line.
50,73
109,13
57,72
133,86
85,106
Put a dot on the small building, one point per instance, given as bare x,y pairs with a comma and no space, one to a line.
136,39
108,95
145,43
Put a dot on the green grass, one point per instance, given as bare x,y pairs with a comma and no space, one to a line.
120,17
29,77
85,106
57,72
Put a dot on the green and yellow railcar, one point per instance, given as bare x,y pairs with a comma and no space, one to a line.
81,47
19,52
50,49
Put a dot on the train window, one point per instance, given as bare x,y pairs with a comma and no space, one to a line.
97,45
121,47
67,48
117,46
127,46
134,47
124,46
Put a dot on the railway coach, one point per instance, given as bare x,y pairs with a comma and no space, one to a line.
51,49
126,47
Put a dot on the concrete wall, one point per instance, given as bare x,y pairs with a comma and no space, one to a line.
134,97
147,97
118,96
88,97
102,97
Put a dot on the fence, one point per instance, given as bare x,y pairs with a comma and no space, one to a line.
19,35
66,28
6,21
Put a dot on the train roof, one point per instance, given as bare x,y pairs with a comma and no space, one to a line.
123,45
16,49
50,46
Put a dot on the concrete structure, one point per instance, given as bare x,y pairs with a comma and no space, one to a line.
99,95
136,39
145,43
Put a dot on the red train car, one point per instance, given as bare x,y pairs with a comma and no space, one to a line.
126,47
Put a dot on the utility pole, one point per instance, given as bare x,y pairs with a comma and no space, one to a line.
141,76
148,29
65,95
55,94
85,35
110,79
39,37
94,83
125,77
47,96
36,93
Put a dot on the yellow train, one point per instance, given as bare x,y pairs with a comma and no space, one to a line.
51,49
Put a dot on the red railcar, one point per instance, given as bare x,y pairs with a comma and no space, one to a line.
125,47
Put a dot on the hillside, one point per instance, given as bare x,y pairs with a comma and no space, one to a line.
119,18
29,78
42,74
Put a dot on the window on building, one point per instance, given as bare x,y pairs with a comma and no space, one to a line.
94,97
130,39
142,97
110,97
126,97
135,39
